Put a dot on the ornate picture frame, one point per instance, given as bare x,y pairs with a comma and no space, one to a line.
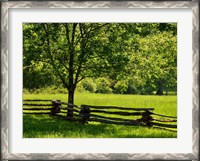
6,6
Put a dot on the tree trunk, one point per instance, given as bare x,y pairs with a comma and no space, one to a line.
71,85
159,91
70,100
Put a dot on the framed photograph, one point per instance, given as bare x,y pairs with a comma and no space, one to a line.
65,64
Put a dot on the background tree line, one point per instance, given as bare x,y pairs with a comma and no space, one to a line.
125,58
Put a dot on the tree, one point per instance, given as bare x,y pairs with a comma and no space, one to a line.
156,62
76,50
36,73
128,57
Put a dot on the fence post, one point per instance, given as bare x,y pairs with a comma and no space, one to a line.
146,118
85,114
55,107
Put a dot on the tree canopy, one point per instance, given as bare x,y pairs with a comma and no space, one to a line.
132,58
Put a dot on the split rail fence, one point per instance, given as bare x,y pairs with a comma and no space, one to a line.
104,114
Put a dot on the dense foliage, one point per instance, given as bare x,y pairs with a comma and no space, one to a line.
130,58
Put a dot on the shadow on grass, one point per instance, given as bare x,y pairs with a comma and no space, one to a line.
53,127
36,125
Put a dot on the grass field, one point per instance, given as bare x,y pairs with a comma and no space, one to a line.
43,126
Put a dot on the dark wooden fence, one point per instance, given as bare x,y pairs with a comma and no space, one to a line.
104,114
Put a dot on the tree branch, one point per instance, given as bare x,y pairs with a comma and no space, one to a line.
67,33
80,79
51,57
81,56
63,63
73,32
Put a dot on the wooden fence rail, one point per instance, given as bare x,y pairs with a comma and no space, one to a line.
115,107
104,114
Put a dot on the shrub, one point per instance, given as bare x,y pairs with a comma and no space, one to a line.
80,88
121,87
89,85
47,90
26,91
103,85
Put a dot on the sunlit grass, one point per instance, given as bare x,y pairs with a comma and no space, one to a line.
48,127
164,104
45,127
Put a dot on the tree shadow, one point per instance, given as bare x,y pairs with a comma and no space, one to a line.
56,127
33,125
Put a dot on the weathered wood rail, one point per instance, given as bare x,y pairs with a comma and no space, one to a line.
104,114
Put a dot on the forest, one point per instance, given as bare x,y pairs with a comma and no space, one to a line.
118,58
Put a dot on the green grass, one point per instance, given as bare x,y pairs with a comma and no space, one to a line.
38,126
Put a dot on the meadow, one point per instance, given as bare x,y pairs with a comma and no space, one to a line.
44,126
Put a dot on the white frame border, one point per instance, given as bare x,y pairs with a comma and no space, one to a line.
98,4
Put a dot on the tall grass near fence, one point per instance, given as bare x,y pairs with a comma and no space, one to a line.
45,126
162,104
